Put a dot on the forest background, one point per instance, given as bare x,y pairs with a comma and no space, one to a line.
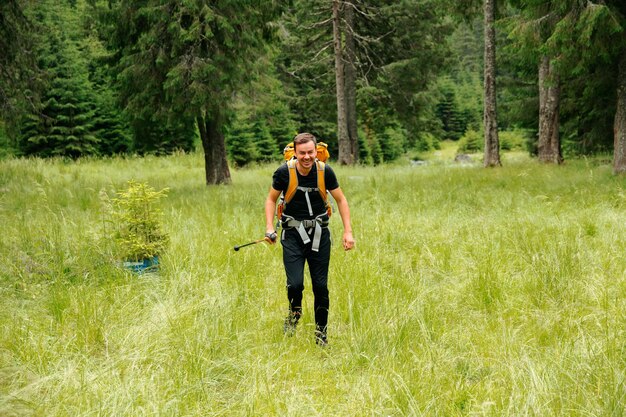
471,292
92,77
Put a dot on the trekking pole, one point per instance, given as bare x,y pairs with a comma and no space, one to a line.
237,247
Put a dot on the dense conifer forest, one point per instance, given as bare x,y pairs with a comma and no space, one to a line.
372,79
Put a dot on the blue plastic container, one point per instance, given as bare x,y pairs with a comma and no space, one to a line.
144,265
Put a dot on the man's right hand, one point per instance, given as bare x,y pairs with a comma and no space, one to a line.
271,237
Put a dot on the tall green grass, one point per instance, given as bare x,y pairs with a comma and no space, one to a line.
471,292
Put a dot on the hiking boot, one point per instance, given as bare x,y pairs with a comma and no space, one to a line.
291,321
320,338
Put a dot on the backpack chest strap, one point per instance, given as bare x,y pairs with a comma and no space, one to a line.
309,189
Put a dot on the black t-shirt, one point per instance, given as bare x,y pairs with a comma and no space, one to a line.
297,207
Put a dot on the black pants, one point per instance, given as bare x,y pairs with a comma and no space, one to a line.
295,253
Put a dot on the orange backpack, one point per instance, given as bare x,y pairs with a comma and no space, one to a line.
322,151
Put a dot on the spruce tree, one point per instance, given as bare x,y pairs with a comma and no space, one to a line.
399,48
589,42
162,134
189,59
20,79
448,111
264,142
78,114
241,144
263,120
492,145
110,124
64,125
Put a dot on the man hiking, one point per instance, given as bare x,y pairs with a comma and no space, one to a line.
304,216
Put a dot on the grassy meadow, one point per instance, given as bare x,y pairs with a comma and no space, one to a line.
472,292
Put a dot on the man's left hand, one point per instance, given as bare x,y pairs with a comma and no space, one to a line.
348,241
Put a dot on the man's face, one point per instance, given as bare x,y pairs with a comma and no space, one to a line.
305,154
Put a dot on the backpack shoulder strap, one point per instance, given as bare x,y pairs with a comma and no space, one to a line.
293,180
321,181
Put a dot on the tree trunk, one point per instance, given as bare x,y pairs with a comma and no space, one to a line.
342,127
492,143
549,145
350,72
215,162
619,125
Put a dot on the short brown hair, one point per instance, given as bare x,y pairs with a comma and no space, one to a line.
304,138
